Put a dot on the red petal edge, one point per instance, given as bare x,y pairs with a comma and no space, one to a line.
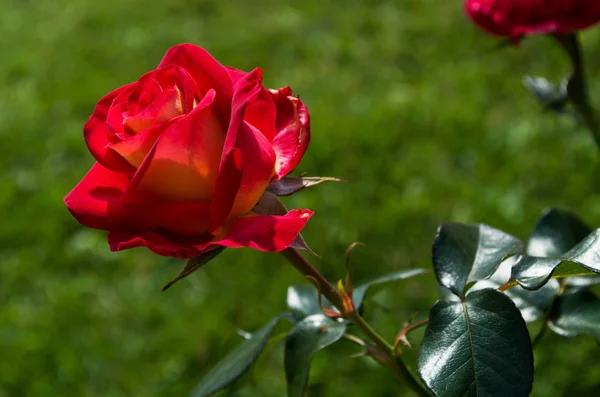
293,131
206,71
230,175
96,134
263,233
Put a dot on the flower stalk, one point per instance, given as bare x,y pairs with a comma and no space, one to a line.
339,300
577,89
308,270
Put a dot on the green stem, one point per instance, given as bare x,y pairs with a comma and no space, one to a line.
398,366
577,85
330,292
366,329
308,270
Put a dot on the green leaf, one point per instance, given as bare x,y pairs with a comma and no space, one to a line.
587,252
479,347
556,233
551,97
305,299
576,313
568,269
560,246
360,291
532,304
465,253
304,340
194,264
238,361
532,272
582,260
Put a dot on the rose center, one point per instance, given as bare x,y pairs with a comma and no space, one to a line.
166,105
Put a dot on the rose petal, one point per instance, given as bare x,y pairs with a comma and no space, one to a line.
96,202
517,18
165,106
175,77
184,161
226,187
165,109
258,165
236,74
260,112
145,90
188,219
136,148
97,134
230,174
286,111
293,132
206,71
114,120
159,243
264,233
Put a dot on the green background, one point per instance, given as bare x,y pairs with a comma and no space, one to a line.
412,104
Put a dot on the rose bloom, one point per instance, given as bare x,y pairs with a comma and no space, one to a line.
514,18
185,153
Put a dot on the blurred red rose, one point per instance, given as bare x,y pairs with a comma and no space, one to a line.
515,18
184,154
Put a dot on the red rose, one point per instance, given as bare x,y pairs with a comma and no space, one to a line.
185,153
515,18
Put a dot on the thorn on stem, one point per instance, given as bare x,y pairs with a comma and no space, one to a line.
333,314
349,287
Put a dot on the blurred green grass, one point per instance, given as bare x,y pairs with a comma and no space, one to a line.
410,102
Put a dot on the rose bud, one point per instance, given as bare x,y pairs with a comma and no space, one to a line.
515,18
185,153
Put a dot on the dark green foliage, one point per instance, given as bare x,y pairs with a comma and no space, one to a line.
584,259
561,245
576,313
555,233
479,347
533,304
466,253
306,338
305,299
237,362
